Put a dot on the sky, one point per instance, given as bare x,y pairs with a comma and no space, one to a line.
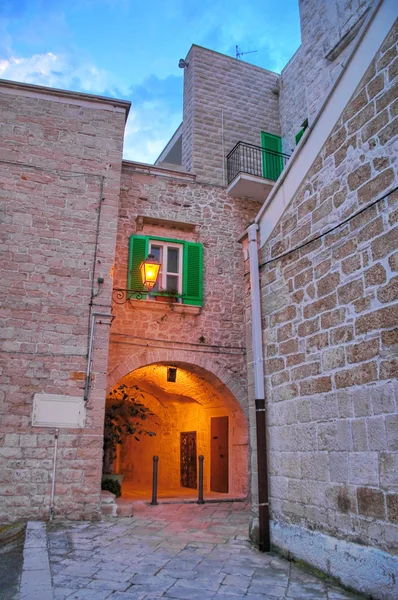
130,49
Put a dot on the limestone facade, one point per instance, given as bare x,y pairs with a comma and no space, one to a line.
292,100
60,179
205,342
328,31
330,318
225,101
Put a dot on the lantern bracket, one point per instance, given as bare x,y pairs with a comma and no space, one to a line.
121,296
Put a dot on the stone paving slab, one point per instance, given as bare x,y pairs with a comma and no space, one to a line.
36,575
175,552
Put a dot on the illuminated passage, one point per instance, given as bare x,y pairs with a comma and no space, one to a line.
194,413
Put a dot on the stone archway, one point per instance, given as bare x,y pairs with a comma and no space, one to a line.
195,402
123,362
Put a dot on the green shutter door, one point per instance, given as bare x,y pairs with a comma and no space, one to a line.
299,135
301,132
272,163
193,274
138,251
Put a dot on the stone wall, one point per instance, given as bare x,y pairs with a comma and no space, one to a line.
330,337
328,31
292,100
246,95
210,340
59,154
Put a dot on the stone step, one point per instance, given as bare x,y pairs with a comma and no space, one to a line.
108,504
115,507
124,508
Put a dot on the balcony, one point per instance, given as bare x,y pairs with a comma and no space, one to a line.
252,171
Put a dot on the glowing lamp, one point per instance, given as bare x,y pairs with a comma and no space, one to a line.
149,272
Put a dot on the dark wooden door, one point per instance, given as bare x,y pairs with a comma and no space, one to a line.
219,455
188,459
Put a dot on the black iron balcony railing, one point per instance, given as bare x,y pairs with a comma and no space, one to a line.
246,158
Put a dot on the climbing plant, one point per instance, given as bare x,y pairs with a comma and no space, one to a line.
125,415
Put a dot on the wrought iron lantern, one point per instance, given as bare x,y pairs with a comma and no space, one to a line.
149,272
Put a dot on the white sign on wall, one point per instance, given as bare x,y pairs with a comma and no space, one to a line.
53,410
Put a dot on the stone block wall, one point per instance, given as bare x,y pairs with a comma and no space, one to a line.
328,30
330,317
174,205
60,161
245,93
292,100
324,25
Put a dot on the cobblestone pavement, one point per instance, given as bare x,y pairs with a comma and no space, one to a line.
176,551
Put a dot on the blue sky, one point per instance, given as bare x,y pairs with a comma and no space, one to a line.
130,49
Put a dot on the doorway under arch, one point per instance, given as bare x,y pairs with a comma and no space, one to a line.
195,414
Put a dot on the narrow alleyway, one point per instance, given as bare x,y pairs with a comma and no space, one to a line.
176,551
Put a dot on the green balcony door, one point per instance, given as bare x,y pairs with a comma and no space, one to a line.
272,161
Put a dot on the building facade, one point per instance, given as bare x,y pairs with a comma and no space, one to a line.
299,170
329,313
61,156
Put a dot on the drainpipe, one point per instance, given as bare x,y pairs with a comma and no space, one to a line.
264,544
52,508
222,147
90,351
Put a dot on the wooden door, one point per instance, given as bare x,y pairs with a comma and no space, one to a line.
188,459
219,455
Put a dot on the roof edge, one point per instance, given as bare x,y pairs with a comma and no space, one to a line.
147,169
233,58
41,89
170,143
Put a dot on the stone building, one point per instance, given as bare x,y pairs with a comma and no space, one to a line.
61,156
328,286
300,171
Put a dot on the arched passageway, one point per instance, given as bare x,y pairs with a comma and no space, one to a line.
193,415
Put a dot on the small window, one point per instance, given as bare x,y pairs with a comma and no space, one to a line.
181,272
170,257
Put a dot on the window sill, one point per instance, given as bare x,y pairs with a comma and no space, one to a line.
175,307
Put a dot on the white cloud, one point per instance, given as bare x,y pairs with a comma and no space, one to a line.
58,71
146,134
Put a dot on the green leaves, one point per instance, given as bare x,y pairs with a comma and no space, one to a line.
124,415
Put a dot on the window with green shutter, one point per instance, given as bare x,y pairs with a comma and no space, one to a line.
192,273
138,251
181,273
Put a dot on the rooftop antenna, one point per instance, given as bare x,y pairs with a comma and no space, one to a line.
238,54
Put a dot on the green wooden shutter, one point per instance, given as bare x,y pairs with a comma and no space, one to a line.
138,251
300,134
193,274
272,163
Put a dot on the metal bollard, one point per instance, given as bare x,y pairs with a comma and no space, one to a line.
155,481
200,488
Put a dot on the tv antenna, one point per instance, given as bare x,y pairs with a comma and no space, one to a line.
238,54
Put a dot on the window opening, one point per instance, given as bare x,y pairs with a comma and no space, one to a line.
170,275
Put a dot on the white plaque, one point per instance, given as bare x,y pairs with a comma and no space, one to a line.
53,410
